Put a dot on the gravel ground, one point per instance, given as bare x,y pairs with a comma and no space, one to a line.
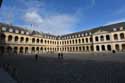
74,68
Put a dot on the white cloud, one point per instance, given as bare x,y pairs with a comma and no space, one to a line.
55,24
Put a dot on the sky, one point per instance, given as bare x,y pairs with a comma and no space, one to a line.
62,16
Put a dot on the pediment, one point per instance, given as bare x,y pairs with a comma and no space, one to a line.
100,32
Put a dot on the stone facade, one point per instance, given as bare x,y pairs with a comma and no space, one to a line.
17,40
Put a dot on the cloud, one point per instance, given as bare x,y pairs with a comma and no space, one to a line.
54,24
116,21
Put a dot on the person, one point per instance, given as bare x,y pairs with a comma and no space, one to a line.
61,55
36,57
58,55
113,51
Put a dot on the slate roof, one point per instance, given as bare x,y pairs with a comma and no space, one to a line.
105,28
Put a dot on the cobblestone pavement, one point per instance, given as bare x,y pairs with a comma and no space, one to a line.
81,69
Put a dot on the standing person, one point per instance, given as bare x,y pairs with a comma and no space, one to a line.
58,55
61,55
36,57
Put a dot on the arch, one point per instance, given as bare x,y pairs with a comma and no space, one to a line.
90,39
21,49
26,50
79,40
96,38
82,40
22,39
15,50
2,37
80,49
83,48
87,40
123,47
122,36
117,47
102,38
33,40
9,49
37,40
97,48
10,38
87,48
27,39
103,47
73,41
76,41
16,38
115,37
107,37
41,40
109,47
33,49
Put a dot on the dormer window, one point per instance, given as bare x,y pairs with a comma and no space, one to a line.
86,34
22,32
27,33
121,28
83,34
10,30
114,29
90,33
79,35
3,28
16,31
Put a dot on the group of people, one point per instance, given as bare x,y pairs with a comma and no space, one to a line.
60,56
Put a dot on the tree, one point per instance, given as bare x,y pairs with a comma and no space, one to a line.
1,3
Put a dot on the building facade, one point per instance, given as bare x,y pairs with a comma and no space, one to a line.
17,40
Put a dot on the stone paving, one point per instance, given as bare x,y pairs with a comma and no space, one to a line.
5,77
81,69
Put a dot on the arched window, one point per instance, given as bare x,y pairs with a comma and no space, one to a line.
27,39
37,40
26,50
22,39
97,48
16,38
107,37
41,40
96,39
79,40
117,47
87,48
102,38
109,47
10,38
21,49
83,48
33,40
2,37
123,47
87,40
90,39
115,37
103,48
122,36
76,41
82,40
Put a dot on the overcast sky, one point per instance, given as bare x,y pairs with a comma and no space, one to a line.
62,16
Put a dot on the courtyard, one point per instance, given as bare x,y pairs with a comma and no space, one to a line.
74,68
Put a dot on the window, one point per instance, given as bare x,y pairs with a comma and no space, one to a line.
102,38
107,37
16,38
97,48
33,40
103,48
122,36
10,30
22,39
10,38
109,47
27,39
115,37
96,39
3,28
